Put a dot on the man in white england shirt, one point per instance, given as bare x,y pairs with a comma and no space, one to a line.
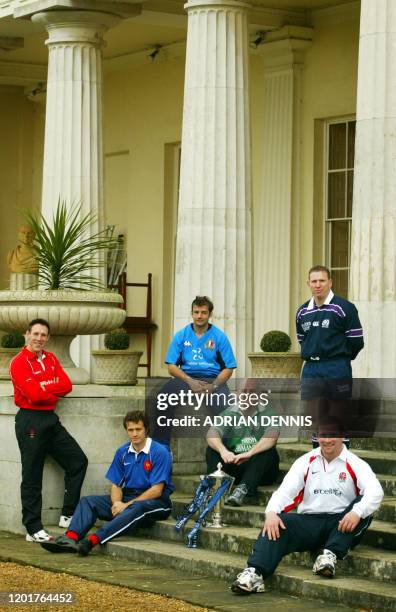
335,493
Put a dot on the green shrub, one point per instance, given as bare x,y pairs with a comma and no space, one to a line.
117,340
13,340
275,342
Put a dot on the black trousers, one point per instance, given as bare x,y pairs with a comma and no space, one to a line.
305,532
40,433
261,469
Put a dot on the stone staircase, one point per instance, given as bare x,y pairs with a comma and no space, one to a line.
365,580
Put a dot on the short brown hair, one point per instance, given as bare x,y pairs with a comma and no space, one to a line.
202,300
134,416
319,269
38,322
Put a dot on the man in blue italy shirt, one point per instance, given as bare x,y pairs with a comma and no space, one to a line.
140,474
200,358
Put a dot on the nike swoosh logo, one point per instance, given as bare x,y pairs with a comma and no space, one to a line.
317,472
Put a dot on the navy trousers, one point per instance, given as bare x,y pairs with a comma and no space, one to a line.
305,532
140,514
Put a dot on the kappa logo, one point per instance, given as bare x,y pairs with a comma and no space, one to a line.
326,323
187,343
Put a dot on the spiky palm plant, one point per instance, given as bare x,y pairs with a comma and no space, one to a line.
65,252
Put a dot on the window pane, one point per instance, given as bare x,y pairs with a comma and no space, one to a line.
336,195
337,146
339,244
340,282
349,192
351,143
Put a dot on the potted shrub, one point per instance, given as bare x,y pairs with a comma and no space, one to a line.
71,297
11,344
276,360
116,365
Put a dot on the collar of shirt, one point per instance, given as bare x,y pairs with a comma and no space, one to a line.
145,449
312,304
31,356
343,456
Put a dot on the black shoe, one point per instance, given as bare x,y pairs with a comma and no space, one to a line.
61,544
84,547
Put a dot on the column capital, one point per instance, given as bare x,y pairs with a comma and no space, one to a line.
286,46
85,27
217,4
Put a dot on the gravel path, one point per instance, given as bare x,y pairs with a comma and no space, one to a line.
89,596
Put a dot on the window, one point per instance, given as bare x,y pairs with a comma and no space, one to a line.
340,149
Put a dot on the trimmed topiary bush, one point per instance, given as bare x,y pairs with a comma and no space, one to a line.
275,342
117,340
13,340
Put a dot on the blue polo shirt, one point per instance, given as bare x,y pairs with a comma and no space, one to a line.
141,470
201,356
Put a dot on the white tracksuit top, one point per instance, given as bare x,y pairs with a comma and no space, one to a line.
313,485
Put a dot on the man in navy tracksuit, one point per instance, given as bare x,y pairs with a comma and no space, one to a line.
140,474
331,336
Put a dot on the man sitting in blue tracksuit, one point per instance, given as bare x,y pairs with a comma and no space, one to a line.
140,493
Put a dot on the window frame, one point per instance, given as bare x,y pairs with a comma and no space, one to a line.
327,221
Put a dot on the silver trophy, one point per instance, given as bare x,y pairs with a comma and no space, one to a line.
219,475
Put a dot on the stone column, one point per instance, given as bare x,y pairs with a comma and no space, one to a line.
213,253
277,227
73,153
373,259
73,166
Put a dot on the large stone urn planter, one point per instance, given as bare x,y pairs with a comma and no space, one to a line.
6,354
280,366
112,367
69,313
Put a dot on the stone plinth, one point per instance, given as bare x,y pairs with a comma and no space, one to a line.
93,414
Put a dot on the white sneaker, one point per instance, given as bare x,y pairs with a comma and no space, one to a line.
39,536
65,521
325,564
248,582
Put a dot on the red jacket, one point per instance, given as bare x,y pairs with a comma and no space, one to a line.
38,385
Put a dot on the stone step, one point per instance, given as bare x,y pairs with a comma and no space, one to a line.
201,590
186,483
382,462
384,442
252,514
237,539
298,581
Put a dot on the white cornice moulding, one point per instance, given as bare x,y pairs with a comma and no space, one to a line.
121,8
166,53
348,11
17,73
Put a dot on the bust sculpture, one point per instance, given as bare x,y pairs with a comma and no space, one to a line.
21,259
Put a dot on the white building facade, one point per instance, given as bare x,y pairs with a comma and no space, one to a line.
234,144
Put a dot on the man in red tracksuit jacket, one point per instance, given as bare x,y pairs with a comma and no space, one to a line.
39,381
